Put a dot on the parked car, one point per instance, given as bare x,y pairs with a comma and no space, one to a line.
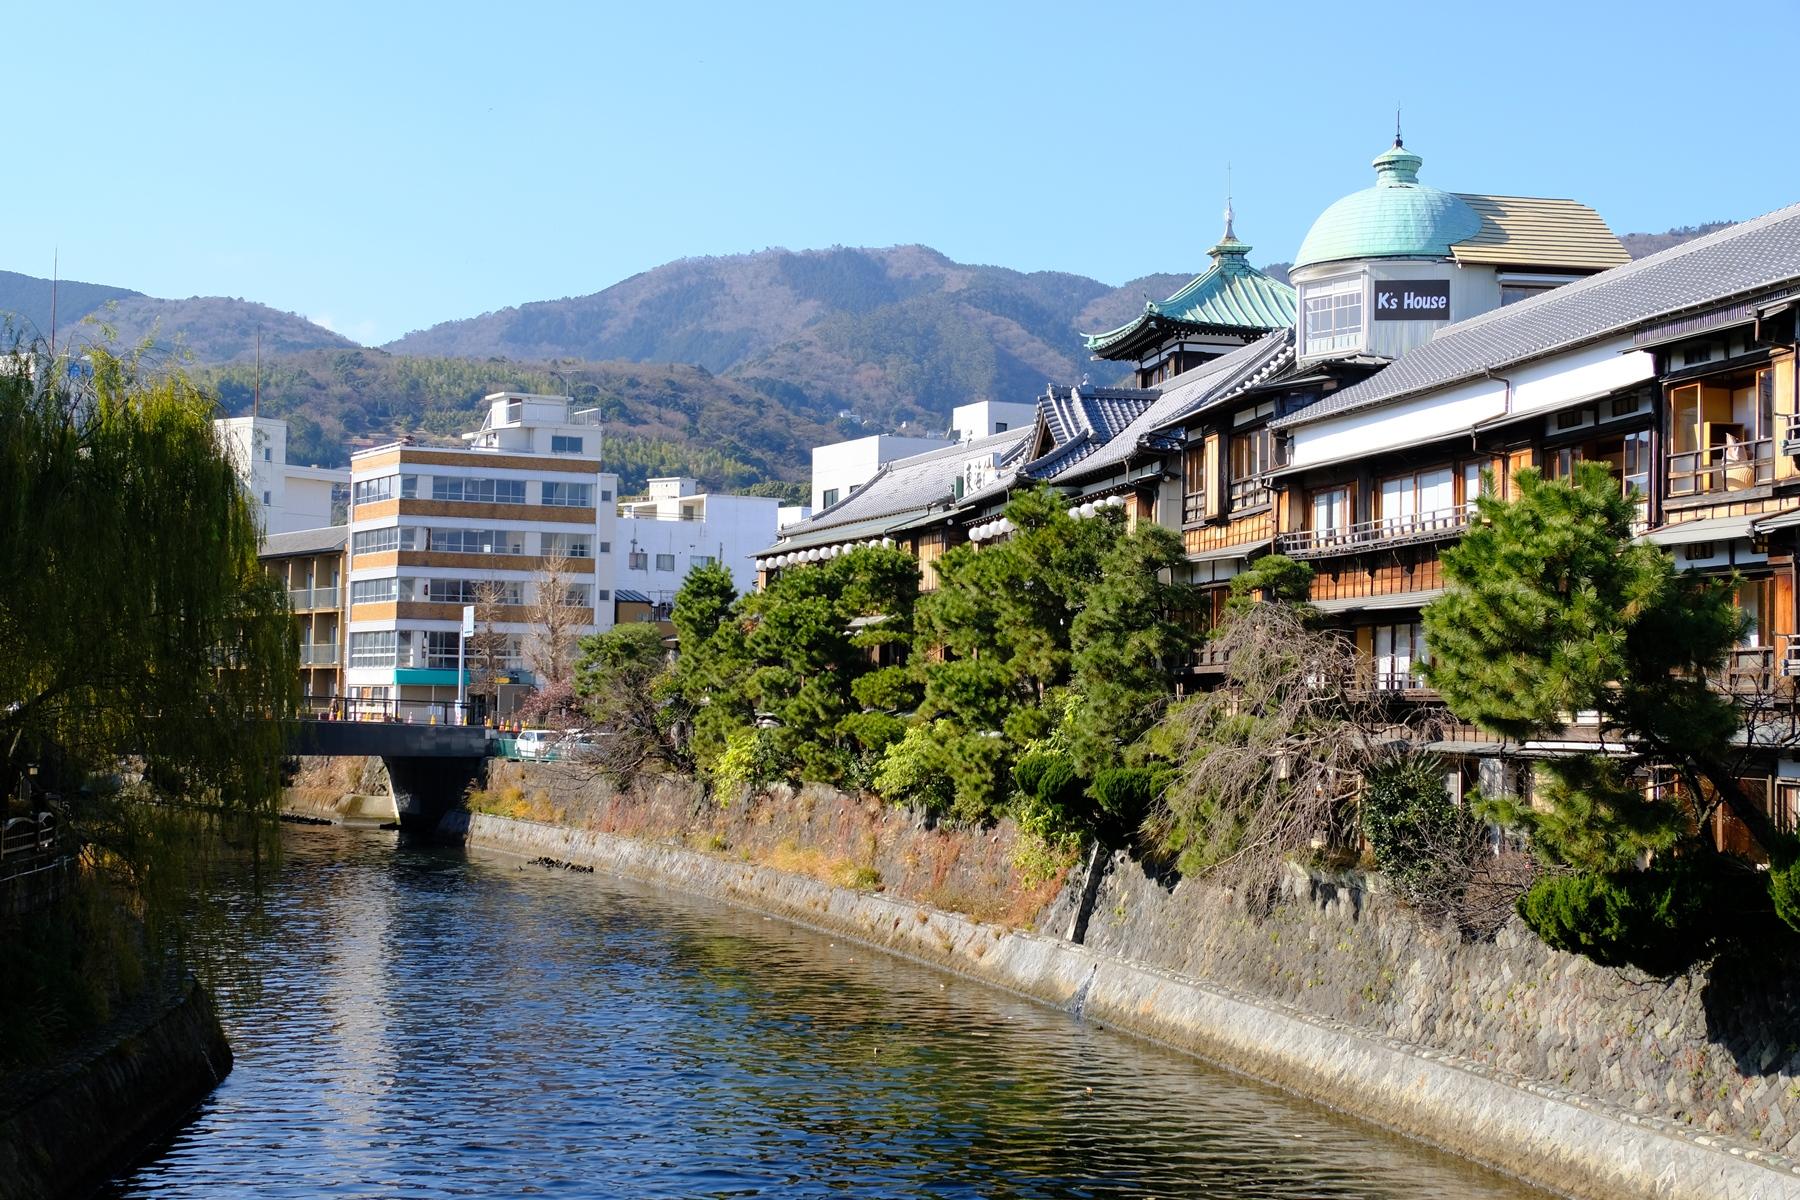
535,743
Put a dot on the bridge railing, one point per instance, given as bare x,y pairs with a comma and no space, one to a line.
399,712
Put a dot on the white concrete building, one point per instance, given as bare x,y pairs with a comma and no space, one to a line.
288,497
985,418
676,528
842,467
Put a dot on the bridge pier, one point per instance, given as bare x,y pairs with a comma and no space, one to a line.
429,767
426,788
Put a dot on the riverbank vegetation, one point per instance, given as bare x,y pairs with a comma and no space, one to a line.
1034,682
148,667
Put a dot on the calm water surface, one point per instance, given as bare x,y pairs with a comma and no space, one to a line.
430,1024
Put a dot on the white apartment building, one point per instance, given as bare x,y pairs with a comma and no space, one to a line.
676,528
289,498
429,526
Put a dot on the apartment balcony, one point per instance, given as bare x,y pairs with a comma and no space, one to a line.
322,655
1439,525
308,599
1733,467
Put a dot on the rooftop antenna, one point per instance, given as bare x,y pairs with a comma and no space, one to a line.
1398,144
256,385
55,268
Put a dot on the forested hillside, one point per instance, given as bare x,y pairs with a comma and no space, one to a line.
660,419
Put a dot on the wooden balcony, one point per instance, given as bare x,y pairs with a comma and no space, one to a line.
1735,467
1439,525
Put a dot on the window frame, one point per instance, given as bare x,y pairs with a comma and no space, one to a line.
1354,289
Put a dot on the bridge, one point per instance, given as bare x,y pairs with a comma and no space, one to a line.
431,757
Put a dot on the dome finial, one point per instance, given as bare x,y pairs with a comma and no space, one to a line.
1398,144
1229,236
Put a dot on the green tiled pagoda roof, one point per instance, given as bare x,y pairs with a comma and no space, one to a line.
1231,296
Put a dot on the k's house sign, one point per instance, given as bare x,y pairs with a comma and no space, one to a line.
1412,300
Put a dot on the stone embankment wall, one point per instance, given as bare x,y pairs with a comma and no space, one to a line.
820,832
1594,1082
342,790
65,1129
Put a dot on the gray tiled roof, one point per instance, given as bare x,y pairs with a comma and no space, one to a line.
1742,260
1101,411
1188,393
908,483
323,540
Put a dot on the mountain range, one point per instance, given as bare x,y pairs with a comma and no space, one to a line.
725,367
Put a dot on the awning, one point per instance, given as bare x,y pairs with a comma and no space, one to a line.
1220,553
1383,603
1786,520
1711,529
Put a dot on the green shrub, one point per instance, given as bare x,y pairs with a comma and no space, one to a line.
1124,795
1049,796
1654,920
1784,881
1420,836
889,689
873,731
916,769
751,758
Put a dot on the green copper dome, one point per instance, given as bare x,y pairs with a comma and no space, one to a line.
1397,218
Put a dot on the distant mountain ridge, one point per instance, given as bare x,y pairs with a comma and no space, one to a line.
893,334
725,368
207,329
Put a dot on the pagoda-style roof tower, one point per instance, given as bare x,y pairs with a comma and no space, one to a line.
1229,304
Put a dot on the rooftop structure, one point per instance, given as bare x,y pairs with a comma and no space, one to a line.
1231,298
1385,269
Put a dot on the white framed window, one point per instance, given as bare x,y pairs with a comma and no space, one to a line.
699,560
665,562
374,591
369,491
574,545
374,541
373,649
1330,511
1332,314
569,495
564,444
1399,651
478,491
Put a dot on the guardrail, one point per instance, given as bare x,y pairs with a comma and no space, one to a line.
395,712
319,655
1729,468
1383,531
301,599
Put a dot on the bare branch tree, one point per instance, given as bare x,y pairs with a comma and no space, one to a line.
557,616
1276,755
487,647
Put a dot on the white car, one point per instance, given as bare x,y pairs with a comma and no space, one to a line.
535,743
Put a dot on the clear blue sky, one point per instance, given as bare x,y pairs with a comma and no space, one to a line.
383,166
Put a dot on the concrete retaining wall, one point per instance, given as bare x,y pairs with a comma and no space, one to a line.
1551,1136
65,1130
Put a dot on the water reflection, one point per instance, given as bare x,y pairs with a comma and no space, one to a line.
434,1026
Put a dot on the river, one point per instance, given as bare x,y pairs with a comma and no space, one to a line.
420,1022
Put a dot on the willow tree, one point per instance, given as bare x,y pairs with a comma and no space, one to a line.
147,662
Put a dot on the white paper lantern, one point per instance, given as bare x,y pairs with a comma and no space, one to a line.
1087,509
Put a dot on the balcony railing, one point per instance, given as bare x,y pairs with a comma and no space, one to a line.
308,598
1790,433
1384,531
1734,467
1752,668
319,655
